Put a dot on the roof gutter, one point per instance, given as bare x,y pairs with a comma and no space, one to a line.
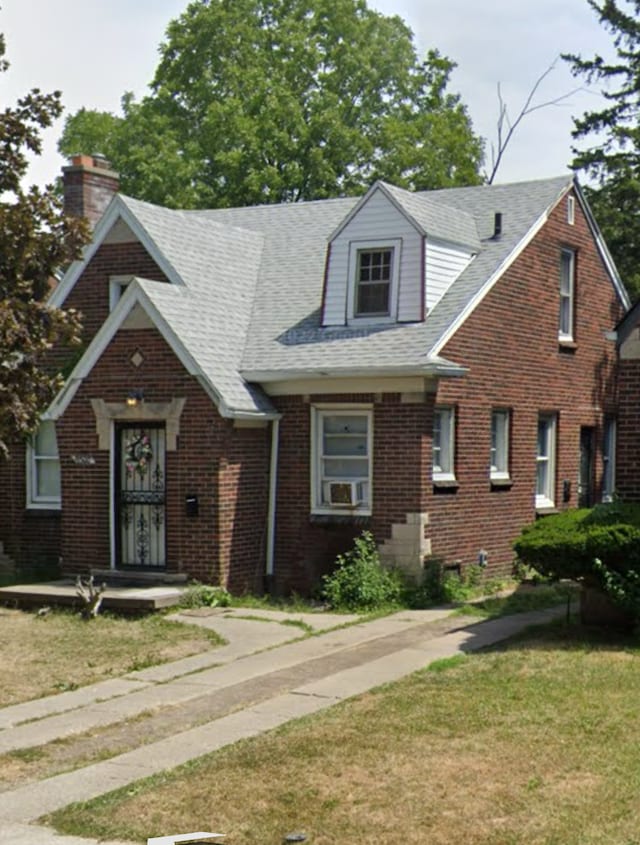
439,368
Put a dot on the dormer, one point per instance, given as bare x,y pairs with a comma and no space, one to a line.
393,257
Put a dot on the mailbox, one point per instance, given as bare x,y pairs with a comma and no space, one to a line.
191,505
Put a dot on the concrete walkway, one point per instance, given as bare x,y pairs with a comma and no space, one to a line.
249,691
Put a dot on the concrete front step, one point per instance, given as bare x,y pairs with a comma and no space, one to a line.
135,578
126,599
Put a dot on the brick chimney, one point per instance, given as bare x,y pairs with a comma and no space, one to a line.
89,183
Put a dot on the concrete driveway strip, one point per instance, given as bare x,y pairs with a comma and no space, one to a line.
166,685
28,803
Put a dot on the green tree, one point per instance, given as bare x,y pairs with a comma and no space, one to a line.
612,162
35,241
259,101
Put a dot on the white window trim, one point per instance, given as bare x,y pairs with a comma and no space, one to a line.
497,474
571,253
394,244
439,474
317,413
609,459
117,286
35,502
571,210
546,499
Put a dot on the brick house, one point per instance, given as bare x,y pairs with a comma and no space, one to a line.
259,384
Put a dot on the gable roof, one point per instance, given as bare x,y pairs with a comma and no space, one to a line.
434,219
245,303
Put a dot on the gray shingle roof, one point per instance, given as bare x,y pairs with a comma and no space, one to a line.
254,279
436,218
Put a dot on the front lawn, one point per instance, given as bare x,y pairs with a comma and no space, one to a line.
42,655
534,743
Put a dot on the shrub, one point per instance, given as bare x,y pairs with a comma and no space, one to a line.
599,547
205,595
565,545
360,582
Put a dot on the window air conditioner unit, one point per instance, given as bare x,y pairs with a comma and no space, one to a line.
345,494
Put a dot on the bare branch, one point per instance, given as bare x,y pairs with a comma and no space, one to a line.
506,129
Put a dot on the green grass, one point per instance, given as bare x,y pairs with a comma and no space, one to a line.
534,743
60,652
523,600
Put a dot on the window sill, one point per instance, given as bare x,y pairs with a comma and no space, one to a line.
449,484
567,345
358,518
33,509
501,483
547,510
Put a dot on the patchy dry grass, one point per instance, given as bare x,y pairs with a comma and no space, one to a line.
59,651
535,743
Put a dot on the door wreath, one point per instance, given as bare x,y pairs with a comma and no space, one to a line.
138,454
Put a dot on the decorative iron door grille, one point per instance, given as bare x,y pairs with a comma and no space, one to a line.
140,500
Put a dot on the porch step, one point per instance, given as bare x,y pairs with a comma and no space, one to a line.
123,598
120,578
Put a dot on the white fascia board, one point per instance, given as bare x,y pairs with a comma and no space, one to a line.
134,295
440,367
473,303
228,412
607,259
117,209
377,186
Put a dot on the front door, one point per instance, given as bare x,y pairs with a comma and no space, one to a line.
140,496
585,487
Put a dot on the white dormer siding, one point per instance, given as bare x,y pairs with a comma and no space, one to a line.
377,224
444,262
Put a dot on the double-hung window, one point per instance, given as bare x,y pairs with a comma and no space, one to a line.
341,460
567,294
546,461
443,448
43,468
374,273
499,445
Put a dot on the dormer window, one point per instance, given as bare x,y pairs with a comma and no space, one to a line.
374,268
373,282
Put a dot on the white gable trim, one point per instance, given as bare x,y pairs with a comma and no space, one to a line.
491,281
533,231
607,260
134,296
377,186
117,209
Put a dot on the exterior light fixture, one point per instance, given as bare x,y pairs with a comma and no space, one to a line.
135,396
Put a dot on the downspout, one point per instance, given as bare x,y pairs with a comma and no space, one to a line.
271,512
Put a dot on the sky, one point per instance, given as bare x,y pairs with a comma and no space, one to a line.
96,50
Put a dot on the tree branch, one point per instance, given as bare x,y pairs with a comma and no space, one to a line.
504,122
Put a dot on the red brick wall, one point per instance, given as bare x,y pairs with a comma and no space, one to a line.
224,543
90,294
30,537
307,545
510,345
628,446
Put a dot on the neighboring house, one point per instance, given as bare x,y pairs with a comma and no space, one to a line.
260,384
